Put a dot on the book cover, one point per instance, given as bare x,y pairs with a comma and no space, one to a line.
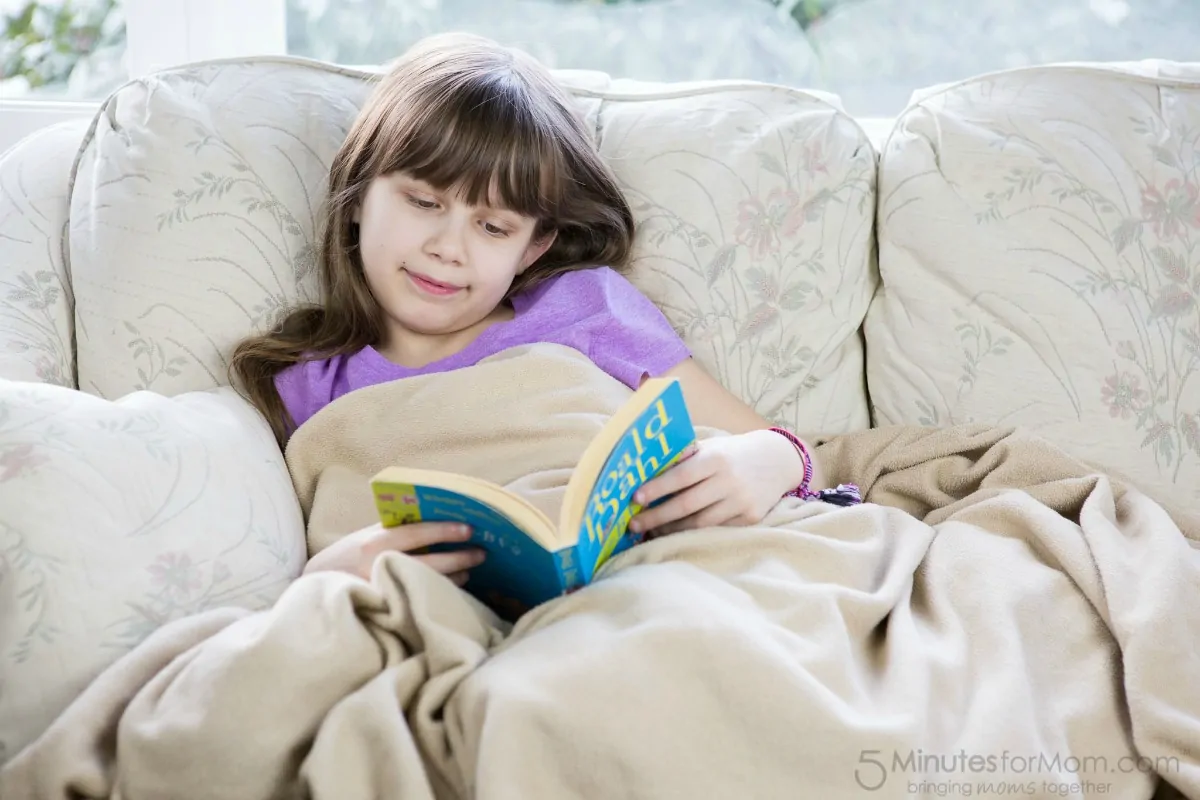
655,441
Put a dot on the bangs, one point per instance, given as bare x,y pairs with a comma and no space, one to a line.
482,139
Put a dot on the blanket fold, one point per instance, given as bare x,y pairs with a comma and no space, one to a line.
996,618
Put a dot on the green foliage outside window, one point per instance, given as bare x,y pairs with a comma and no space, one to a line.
44,40
805,12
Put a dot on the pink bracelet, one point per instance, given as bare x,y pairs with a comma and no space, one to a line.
846,494
802,491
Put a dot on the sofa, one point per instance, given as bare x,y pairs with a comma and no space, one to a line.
1018,249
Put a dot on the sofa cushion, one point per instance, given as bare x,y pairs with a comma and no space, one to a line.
197,199
119,517
1038,236
36,323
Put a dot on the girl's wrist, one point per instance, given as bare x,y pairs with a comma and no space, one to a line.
811,479
789,465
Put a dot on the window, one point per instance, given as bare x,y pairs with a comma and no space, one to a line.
57,59
873,53
61,49
654,40
60,56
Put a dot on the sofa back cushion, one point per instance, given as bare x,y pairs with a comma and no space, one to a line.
199,192
1038,235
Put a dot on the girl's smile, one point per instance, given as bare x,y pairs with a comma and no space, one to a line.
430,286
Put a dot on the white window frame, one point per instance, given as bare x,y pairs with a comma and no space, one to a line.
161,34
166,33
21,118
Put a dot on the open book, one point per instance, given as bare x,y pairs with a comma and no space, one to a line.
530,558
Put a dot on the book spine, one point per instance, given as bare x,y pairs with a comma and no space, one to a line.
569,573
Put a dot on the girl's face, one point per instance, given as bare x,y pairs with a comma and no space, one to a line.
436,265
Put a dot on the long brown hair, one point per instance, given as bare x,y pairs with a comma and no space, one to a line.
458,112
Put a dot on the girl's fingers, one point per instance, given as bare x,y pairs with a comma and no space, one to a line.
357,553
453,561
416,535
459,578
685,504
688,472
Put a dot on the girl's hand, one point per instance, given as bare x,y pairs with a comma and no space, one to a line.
357,552
731,480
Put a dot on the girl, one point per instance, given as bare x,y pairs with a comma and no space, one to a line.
468,212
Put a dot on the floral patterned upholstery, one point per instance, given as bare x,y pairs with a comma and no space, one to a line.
195,206
35,293
1038,236
754,207
107,531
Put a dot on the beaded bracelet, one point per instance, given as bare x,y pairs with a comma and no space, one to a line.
846,494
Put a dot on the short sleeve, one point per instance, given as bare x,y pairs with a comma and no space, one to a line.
307,387
633,339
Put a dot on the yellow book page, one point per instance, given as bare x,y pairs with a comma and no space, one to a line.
523,513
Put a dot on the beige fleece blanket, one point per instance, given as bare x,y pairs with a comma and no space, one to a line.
996,620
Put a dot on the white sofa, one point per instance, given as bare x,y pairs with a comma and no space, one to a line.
1022,250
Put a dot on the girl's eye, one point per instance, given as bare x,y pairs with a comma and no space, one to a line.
419,203
494,230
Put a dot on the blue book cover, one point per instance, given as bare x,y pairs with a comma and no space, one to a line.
518,572
655,441
530,559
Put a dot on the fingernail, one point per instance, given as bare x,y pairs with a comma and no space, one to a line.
462,530
635,526
639,498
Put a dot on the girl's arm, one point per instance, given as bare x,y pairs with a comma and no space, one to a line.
712,405
729,480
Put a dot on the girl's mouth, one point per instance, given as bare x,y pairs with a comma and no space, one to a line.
430,286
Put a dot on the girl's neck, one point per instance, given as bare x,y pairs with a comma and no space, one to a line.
416,350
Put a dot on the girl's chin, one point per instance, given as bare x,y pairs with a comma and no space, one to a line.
425,324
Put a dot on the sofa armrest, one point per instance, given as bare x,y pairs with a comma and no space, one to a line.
36,303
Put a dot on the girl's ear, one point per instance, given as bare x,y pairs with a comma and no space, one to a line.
356,213
536,249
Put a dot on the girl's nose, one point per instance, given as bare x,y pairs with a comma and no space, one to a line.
446,242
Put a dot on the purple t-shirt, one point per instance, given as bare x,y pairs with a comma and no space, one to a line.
595,311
